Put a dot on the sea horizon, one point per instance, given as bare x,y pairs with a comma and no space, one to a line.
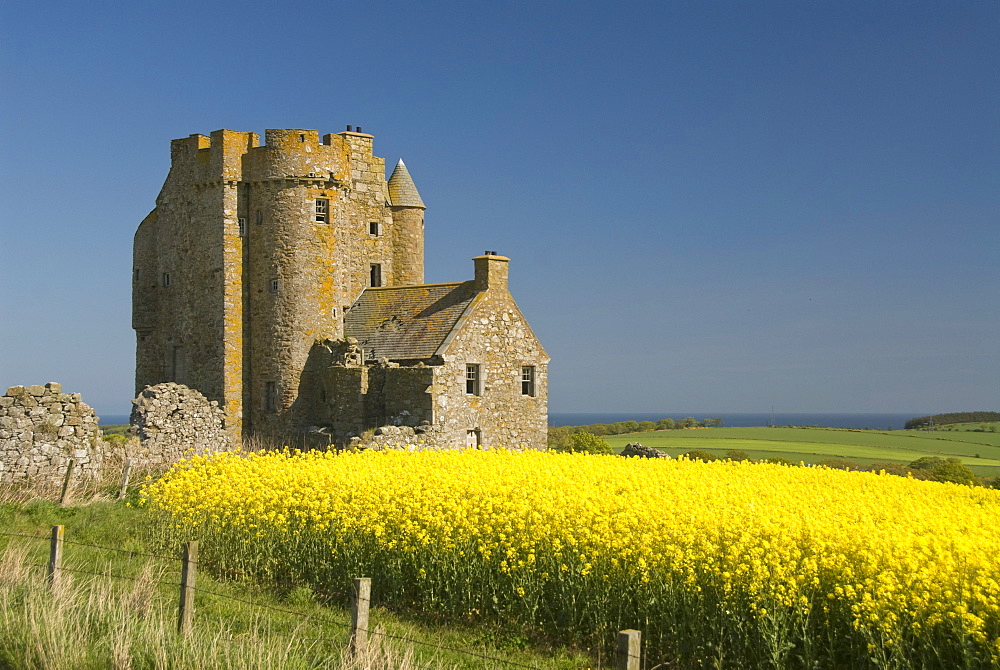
861,420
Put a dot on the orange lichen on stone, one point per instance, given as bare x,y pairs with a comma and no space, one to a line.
251,257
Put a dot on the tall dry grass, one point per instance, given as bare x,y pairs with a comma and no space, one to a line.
96,622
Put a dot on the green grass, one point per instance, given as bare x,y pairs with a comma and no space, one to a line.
115,429
979,451
101,620
979,426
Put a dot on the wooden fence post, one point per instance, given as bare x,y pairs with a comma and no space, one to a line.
65,486
629,651
125,474
55,555
185,613
359,616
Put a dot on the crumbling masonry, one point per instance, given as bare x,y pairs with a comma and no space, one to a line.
285,282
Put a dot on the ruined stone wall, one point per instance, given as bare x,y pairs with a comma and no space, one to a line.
344,407
172,420
41,429
405,395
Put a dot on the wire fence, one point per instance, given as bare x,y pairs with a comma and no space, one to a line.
628,656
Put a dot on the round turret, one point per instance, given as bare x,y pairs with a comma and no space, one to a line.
408,221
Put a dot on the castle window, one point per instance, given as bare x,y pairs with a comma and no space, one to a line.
177,364
274,286
472,379
302,138
322,210
473,439
270,396
373,228
376,275
528,380
135,274
165,280
260,216
242,222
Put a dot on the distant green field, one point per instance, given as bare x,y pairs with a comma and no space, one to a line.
979,451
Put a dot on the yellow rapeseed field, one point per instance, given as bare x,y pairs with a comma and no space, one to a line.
739,564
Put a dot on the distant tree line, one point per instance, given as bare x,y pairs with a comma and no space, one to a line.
560,437
953,417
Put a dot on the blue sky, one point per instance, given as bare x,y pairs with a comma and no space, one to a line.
709,206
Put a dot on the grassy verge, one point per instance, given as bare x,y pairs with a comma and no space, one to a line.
979,451
116,607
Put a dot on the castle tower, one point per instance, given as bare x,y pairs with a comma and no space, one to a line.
251,256
408,219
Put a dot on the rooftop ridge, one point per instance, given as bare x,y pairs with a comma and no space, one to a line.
404,286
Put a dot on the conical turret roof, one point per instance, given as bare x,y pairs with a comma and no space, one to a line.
402,191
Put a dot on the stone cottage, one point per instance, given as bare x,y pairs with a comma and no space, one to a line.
285,282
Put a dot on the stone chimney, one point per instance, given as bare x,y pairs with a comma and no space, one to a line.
491,271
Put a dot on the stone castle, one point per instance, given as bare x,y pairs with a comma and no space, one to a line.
285,282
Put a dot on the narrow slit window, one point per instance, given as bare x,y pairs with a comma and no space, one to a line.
270,396
373,228
376,275
472,379
177,364
528,380
166,279
135,274
322,210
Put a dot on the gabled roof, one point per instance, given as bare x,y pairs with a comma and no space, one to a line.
402,191
407,322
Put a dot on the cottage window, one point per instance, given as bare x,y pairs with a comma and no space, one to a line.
322,210
270,396
376,275
472,379
528,380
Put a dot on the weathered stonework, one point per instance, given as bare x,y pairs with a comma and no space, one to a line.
172,421
250,268
41,429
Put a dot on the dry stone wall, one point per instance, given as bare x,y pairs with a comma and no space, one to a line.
41,429
172,420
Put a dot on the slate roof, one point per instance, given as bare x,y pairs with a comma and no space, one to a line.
402,191
407,322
